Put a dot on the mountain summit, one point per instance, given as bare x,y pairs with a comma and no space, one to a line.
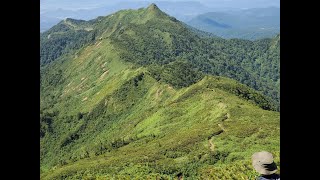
154,10
153,7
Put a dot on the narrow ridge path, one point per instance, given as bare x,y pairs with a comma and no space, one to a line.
211,145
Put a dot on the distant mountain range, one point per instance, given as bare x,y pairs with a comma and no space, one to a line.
253,23
246,24
183,11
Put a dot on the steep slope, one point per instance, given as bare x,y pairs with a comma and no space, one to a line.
105,113
145,127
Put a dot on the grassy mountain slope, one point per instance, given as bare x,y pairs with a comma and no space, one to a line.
104,115
145,126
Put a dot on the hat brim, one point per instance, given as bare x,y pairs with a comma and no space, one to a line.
266,169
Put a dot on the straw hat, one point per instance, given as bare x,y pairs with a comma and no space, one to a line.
263,163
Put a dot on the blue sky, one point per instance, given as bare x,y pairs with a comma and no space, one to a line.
87,4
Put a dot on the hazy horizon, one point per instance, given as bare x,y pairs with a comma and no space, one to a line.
85,4
53,11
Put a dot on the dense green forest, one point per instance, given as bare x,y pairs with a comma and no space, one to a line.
138,94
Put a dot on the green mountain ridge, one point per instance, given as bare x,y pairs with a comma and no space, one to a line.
144,37
123,100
